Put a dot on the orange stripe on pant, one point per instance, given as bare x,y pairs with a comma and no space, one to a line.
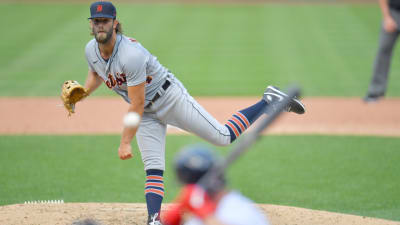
155,191
155,184
243,118
239,123
154,178
233,128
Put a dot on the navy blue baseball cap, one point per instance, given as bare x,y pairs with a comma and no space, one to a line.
102,10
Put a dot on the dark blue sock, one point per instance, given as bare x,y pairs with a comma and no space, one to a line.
242,120
154,190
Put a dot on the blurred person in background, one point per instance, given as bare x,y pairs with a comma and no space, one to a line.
213,205
388,37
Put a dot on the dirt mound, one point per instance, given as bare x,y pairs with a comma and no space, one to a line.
136,214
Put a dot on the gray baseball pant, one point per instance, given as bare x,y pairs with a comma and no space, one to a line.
381,69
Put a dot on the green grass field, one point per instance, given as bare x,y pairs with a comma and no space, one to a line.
358,175
214,49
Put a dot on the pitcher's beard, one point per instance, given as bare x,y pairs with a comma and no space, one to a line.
103,37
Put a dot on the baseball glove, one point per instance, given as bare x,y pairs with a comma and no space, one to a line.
72,92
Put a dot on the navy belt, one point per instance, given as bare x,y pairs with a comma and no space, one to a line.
165,86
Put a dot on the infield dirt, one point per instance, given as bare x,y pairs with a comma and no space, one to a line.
136,214
337,116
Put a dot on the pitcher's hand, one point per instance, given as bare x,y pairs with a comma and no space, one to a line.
125,151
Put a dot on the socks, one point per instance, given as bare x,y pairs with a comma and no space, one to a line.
154,190
242,120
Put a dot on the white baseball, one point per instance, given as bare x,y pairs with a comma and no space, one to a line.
131,119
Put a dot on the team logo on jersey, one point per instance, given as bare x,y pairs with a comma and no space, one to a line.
112,81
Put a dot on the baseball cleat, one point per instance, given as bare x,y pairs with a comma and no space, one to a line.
155,222
154,219
370,98
273,94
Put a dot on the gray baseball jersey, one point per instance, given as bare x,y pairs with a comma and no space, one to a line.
130,65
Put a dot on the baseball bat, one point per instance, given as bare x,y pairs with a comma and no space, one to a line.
210,180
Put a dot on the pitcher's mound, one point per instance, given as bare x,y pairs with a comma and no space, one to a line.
130,214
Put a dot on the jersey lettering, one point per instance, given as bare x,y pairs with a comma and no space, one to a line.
118,80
